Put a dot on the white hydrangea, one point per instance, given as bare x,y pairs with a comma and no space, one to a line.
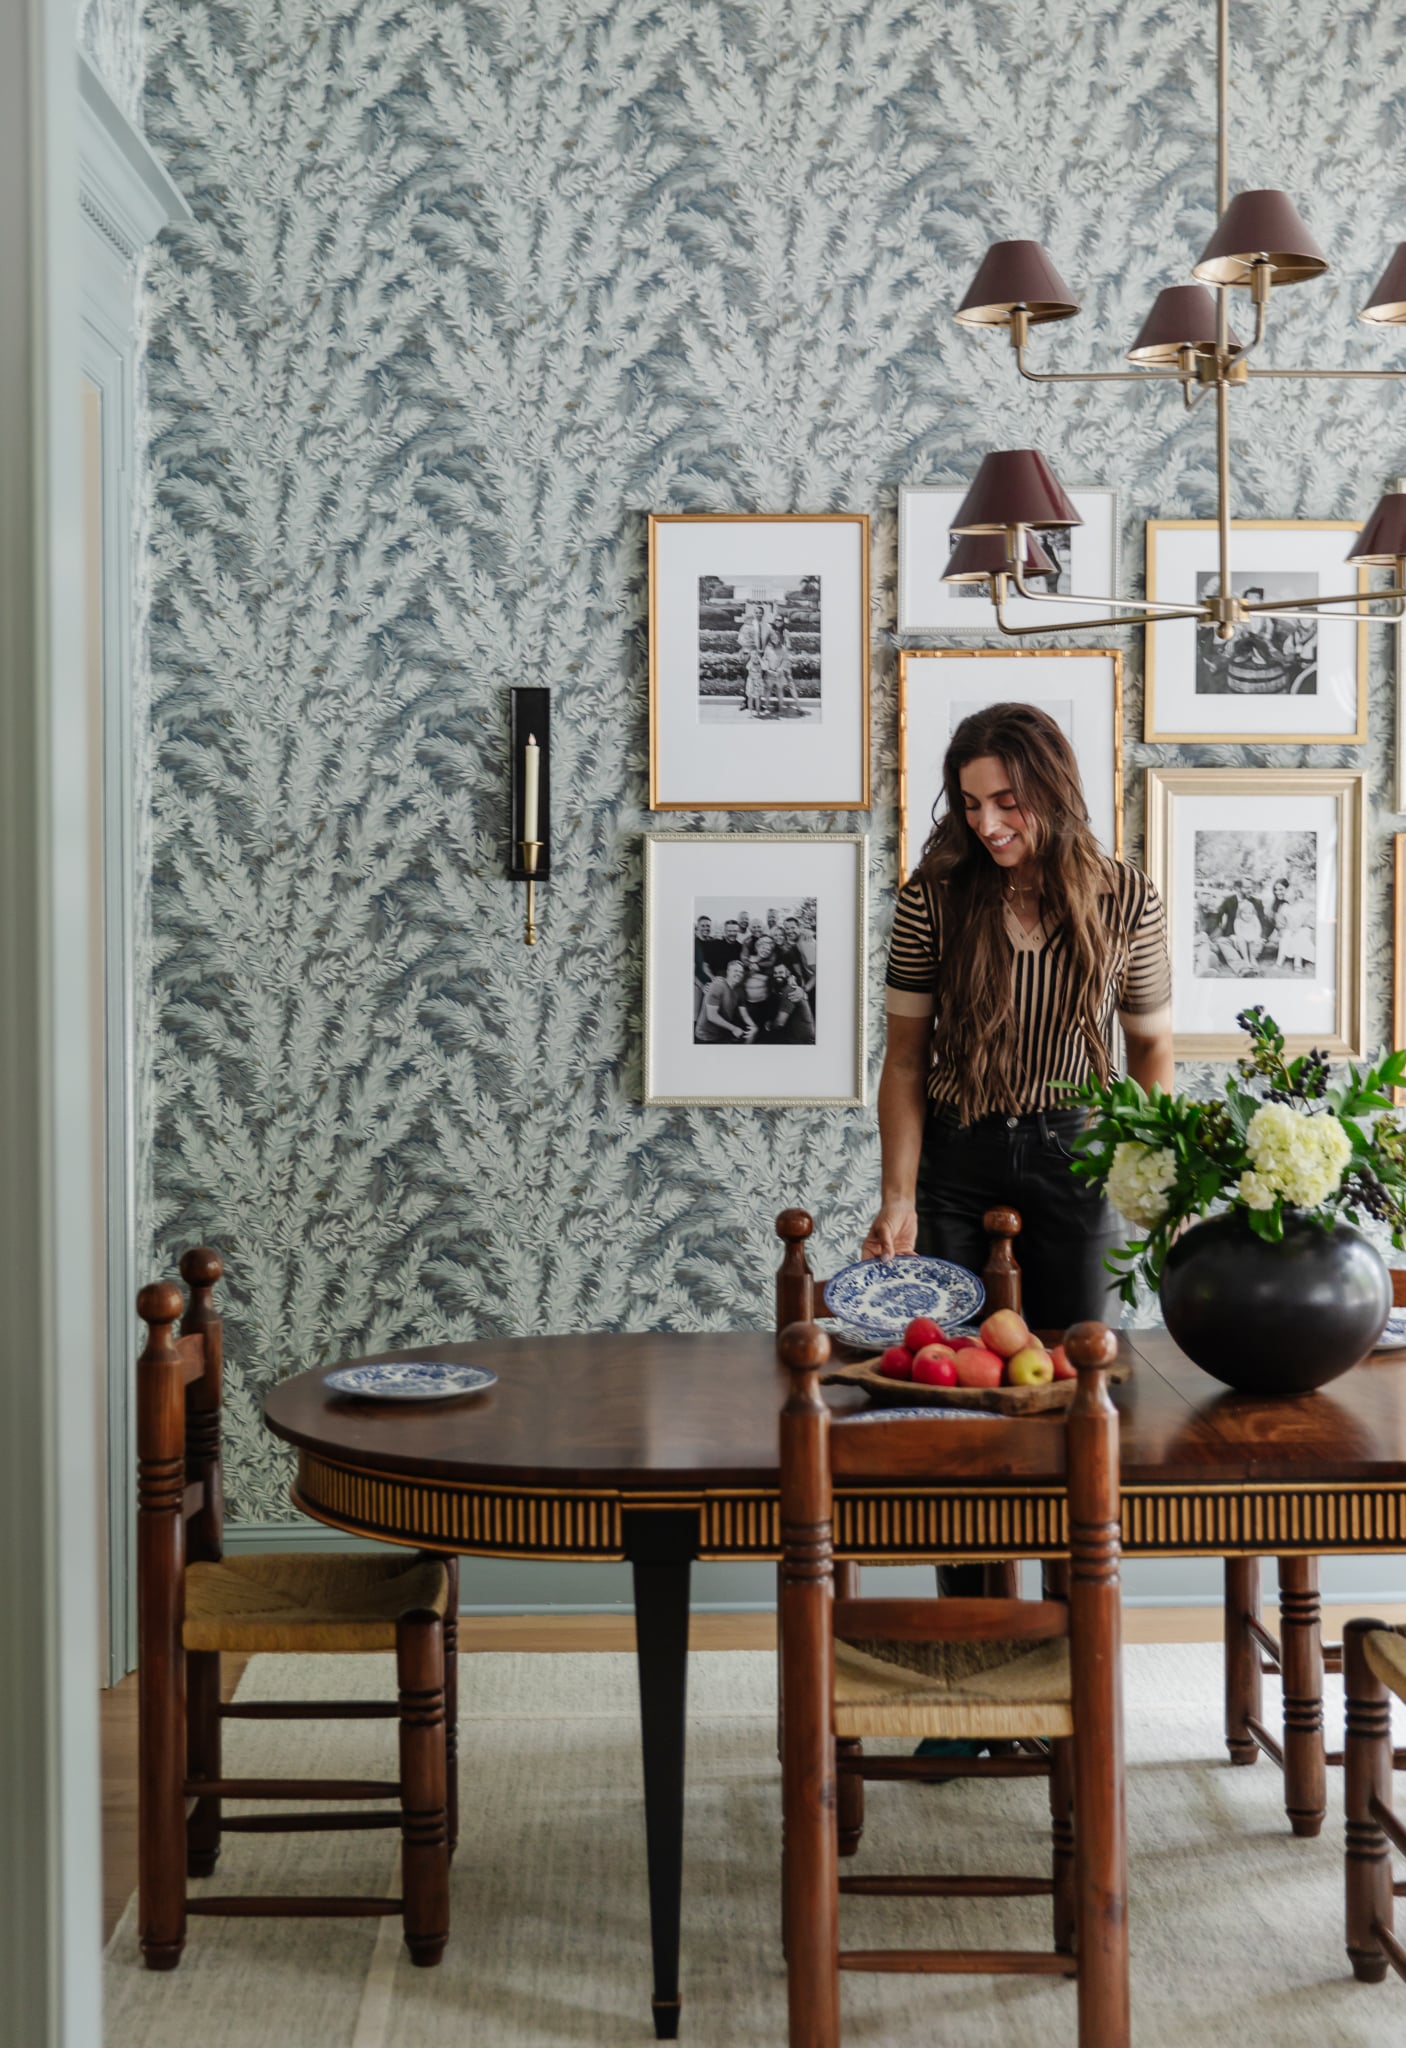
1293,1154
1138,1181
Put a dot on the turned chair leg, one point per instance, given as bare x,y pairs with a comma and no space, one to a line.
1301,1661
1367,1761
424,1815
451,1703
1244,1684
203,1758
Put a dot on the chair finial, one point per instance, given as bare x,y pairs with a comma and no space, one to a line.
161,1303
804,1347
794,1225
1091,1347
201,1267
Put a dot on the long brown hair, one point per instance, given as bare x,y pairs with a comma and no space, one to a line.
976,1030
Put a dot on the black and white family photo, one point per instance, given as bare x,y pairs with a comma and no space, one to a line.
753,971
758,648
1266,657
1058,543
1256,905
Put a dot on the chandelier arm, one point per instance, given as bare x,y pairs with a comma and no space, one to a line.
1336,374
1288,609
1141,605
1081,625
1091,376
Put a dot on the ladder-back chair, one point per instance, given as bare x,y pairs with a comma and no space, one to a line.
1048,1670
194,1604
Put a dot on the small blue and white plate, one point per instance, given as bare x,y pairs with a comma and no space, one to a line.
412,1379
926,1415
1393,1337
878,1296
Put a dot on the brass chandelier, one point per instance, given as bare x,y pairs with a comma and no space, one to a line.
1260,243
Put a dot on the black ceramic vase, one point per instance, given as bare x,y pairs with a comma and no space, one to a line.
1274,1318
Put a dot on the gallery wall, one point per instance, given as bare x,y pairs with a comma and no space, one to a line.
471,291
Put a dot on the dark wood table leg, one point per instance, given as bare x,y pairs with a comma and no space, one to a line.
661,1547
1244,1685
1301,1648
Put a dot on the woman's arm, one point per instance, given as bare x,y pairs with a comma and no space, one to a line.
1150,1060
902,1111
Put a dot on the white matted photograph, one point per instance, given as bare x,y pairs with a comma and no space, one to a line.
758,661
1289,679
1081,689
1085,562
754,968
1262,871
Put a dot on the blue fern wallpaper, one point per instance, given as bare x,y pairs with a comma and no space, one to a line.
472,289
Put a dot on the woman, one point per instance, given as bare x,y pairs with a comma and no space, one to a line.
1015,943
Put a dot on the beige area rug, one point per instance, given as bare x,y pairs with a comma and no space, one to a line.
1236,1927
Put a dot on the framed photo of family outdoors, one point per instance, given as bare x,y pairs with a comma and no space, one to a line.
1085,559
1287,681
758,661
754,969
1263,874
1080,688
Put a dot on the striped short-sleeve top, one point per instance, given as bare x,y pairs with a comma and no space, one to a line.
1051,1049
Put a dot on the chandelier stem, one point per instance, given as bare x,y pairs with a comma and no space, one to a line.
1222,109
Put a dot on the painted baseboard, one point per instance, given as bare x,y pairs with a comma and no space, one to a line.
499,1585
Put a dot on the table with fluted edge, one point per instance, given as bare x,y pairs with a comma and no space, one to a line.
657,1449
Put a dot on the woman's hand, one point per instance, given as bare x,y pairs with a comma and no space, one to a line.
893,1230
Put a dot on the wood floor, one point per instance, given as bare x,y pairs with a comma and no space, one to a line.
561,1632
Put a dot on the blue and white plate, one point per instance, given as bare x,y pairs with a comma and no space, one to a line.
926,1415
1393,1337
412,1379
880,1296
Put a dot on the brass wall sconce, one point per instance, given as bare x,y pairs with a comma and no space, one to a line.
530,747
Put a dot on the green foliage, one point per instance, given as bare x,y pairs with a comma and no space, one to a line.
1210,1147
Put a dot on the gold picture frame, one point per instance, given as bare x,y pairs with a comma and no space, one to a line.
831,754
910,661
1198,953
1265,734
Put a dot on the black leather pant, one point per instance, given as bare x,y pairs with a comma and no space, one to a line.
1020,1162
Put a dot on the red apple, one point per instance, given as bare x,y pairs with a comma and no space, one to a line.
896,1363
1032,1367
930,1351
1005,1333
921,1332
934,1367
977,1367
1063,1370
964,1343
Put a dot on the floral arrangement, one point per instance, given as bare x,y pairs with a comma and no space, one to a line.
1165,1160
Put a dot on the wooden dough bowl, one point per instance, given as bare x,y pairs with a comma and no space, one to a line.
887,1393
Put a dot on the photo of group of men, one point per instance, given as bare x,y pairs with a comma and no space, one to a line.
754,971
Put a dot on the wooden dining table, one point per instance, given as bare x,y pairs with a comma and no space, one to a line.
660,1449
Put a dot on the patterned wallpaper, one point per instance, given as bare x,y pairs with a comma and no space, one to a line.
474,288
110,35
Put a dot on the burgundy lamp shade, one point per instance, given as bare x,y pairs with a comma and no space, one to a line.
1260,224
1182,316
1016,274
1387,304
1014,487
1383,538
979,555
